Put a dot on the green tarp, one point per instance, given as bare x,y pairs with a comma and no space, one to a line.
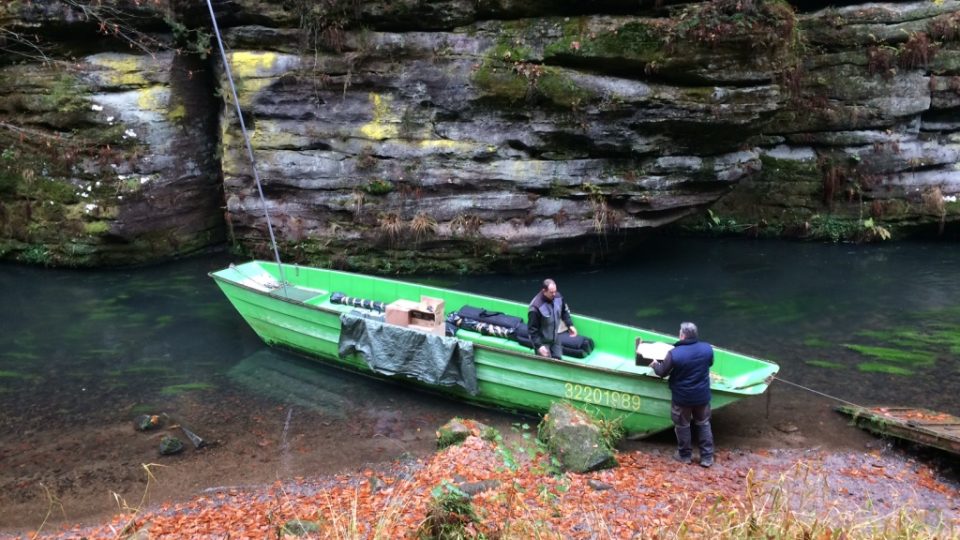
395,350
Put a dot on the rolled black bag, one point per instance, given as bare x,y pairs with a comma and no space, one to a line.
340,298
473,325
495,318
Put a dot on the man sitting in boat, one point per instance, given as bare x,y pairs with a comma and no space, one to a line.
548,316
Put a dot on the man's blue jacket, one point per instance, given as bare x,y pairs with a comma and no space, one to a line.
688,365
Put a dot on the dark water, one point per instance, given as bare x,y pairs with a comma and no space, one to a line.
82,353
869,324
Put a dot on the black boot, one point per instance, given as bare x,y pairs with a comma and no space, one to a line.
705,435
684,439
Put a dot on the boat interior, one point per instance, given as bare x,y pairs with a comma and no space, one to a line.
614,341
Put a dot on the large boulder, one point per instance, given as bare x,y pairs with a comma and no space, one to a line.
575,439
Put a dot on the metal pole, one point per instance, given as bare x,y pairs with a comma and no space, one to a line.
246,139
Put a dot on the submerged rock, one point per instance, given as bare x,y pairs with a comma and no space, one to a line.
146,422
170,445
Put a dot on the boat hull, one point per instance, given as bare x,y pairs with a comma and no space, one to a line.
606,383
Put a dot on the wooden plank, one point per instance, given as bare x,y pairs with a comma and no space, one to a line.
922,426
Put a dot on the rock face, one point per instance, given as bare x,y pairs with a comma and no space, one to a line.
464,135
106,157
867,143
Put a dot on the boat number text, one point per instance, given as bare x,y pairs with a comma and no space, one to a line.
599,396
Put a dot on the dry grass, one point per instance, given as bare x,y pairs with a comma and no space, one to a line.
466,225
801,505
391,226
422,226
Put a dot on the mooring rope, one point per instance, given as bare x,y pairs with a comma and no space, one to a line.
817,392
246,139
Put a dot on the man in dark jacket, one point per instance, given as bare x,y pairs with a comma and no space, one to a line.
688,365
547,317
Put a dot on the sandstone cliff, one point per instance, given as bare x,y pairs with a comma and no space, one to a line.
461,135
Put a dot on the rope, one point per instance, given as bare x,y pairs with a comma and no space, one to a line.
246,139
816,392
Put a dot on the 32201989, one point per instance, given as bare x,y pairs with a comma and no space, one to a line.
601,396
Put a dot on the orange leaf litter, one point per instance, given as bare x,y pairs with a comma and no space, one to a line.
646,494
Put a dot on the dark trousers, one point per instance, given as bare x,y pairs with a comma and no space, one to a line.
700,415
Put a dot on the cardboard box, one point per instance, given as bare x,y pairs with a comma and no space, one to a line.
425,315
398,312
428,316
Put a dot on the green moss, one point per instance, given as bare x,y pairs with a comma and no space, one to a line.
824,364
35,254
648,312
178,389
510,52
20,355
498,79
67,95
143,408
785,311
112,135
633,41
930,339
378,187
876,367
96,228
888,354
560,89
816,342
789,170
14,375
833,228
149,370
29,186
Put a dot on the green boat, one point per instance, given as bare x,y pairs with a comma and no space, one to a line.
302,309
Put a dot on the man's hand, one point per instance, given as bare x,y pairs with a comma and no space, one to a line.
573,331
543,351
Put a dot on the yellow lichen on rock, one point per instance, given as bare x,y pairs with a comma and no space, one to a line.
250,89
377,128
122,69
250,64
155,98
445,144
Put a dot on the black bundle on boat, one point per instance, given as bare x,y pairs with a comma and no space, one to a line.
340,298
494,318
495,323
474,325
